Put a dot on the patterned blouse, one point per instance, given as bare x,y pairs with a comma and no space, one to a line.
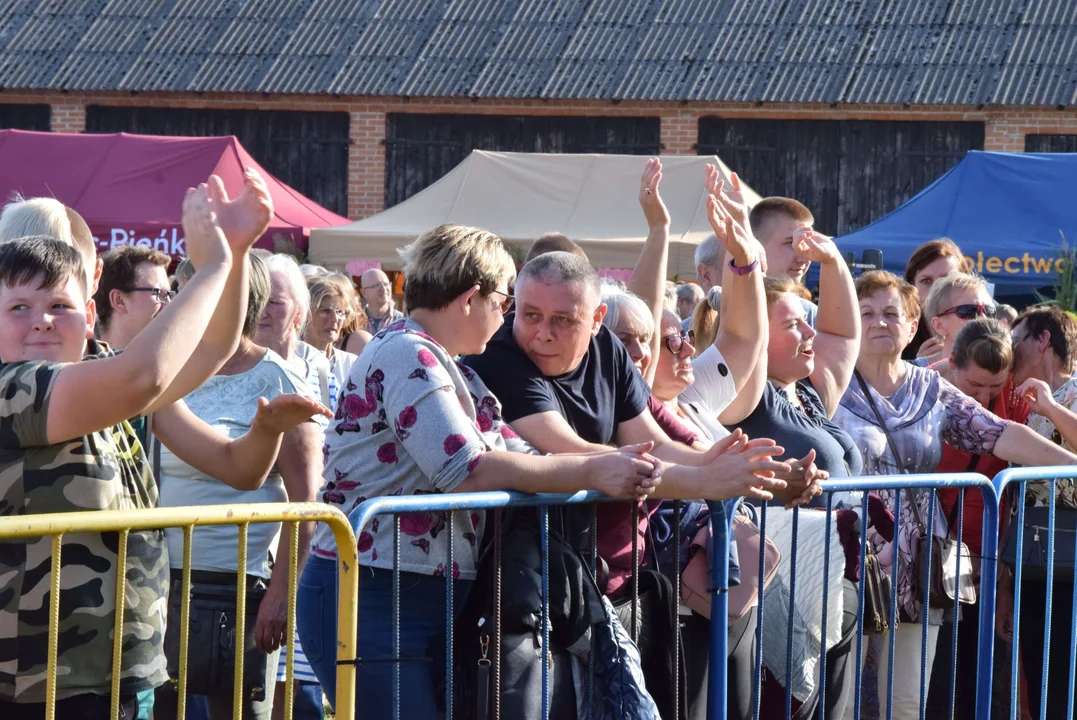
1039,493
410,421
925,412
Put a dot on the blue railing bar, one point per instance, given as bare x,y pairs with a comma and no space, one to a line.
860,607
592,538
912,482
449,616
1020,553
826,598
892,632
792,614
717,685
1073,653
544,531
757,682
1050,603
925,602
957,600
1011,475
396,617
988,569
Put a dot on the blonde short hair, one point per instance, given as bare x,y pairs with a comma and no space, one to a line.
335,285
447,261
49,217
945,287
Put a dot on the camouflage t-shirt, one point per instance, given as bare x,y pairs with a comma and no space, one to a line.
103,471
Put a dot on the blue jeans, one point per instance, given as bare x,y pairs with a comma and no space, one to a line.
422,635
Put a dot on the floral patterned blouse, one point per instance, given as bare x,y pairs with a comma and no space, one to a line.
411,421
1039,493
925,412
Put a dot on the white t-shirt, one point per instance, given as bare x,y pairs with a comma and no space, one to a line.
228,403
711,393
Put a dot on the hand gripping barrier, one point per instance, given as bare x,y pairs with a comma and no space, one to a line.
124,521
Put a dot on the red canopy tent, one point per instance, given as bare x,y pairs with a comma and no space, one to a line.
130,188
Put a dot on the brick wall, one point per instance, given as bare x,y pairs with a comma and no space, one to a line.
1005,128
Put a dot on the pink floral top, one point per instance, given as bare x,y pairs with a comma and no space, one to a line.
411,421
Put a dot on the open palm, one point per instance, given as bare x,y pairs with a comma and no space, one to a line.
244,218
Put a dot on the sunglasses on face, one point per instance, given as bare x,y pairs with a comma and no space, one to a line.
971,311
676,341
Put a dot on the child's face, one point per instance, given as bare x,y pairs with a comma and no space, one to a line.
39,324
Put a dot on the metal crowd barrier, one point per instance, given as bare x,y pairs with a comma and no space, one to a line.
57,525
1016,482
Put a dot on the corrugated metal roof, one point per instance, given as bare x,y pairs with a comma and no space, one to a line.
933,52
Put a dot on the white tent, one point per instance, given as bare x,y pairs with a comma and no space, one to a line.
592,199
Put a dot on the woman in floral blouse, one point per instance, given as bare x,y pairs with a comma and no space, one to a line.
921,411
412,421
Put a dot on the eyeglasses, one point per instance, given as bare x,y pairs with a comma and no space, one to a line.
385,285
335,312
675,342
161,295
507,303
971,311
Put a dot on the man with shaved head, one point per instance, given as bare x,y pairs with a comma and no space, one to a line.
377,294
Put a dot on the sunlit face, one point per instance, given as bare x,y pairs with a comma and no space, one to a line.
42,324
926,277
673,372
281,317
980,384
555,323
376,288
777,239
636,342
886,327
328,321
948,325
790,353
143,304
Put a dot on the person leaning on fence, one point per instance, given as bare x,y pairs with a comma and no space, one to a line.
1045,358
929,262
412,421
981,366
893,401
69,433
568,385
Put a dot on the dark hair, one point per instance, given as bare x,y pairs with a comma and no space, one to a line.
554,242
258,292
768,207
985,342
931,251
1060,324
41,258
119,269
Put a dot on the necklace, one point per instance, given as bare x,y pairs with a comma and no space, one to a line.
235,361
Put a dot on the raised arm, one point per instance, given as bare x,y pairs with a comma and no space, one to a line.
243,463
96,394
838,320
648,279
242,221
1041,401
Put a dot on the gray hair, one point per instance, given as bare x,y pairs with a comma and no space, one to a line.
626,309
690,291
557,268
709,252
312,271
287,266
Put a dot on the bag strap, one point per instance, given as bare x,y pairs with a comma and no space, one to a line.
893,447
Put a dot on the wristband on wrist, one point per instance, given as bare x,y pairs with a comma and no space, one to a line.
744,270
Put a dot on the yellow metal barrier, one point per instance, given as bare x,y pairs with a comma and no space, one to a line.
124,521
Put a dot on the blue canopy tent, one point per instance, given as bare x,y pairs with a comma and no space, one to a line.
1009,213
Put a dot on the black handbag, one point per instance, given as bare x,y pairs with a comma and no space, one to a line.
211,659
876,595
949,578
1034,552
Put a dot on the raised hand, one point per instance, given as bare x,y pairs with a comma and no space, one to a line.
245,218
284,412
814,246
629,472
205,242
741,245
745,467
732,198
653,208
1037,395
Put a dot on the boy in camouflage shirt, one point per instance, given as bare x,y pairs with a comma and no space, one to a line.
66,445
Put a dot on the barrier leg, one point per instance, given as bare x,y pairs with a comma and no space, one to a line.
717,687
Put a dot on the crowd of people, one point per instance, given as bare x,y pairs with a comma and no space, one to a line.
246,377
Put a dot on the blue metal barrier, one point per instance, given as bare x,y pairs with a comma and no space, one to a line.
722,525
1020,477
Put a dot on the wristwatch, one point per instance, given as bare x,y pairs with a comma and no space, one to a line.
744,270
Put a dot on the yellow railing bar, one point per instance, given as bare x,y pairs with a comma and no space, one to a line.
58,524
240,637
185,622
293,582
121,603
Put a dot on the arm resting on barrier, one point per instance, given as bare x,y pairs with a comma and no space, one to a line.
243,463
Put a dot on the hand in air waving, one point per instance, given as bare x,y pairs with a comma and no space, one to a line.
654,209
206,244
244,218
